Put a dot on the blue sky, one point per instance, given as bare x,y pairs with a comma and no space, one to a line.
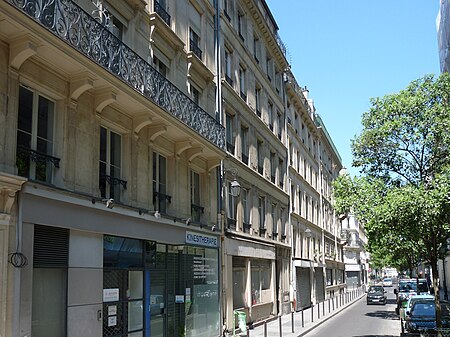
349,51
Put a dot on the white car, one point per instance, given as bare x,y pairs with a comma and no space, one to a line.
387,282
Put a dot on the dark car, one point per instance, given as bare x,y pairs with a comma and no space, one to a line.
422,316
376,295
408,288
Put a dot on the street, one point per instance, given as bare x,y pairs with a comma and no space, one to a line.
362,320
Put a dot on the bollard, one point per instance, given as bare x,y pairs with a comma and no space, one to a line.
332,299
318,311
280,326
292,322
312,313
248,332
323,308
265,329
303,320
329,306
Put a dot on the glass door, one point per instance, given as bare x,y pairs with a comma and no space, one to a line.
156,299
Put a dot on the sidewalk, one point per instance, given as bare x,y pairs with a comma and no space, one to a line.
304,321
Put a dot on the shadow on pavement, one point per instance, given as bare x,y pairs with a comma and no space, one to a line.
391,301
383,314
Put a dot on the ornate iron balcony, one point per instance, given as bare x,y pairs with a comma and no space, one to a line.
36,156
114,181
161,11
161,197
80,30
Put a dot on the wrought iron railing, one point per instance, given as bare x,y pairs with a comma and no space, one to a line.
162,197
161,11
228,79
36,156
114,181
80,30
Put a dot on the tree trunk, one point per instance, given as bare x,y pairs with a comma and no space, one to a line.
434,269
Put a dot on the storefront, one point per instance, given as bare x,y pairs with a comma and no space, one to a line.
104,274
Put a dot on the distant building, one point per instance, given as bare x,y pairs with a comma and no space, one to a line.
355,255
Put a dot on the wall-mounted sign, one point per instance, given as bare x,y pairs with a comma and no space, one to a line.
112,320
112,310
202,240
179,298
111,295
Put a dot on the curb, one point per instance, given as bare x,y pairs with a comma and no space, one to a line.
326,318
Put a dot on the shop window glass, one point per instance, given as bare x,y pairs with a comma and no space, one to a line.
238,289
122,252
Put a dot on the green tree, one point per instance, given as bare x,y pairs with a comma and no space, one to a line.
403,152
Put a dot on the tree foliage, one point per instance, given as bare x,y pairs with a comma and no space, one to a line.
403,194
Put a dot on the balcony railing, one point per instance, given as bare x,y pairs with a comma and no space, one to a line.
161,11
193,47
243,96
36,156
114,181
80,30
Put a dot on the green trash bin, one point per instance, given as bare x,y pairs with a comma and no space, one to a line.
240,318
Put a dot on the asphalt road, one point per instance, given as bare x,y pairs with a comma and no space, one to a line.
362,320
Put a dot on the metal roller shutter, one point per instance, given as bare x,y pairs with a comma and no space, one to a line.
303,288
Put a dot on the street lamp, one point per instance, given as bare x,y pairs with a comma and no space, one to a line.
308,233
235,187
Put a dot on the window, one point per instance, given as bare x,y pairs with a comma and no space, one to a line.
279,125
281,173
161,10
194,43
239,280
160,66
232,207
261,279
227,9
274,220
195,94
260,156
228,71
269,67
160,198
242,87
35,136
270,115
241,26
196,209
244,139
110,164
258,100
273,167
245,206
229,119
256,51
262,212
283,223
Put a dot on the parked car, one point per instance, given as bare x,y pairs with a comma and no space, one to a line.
409,304
408,288
376,295
387,282
422,317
